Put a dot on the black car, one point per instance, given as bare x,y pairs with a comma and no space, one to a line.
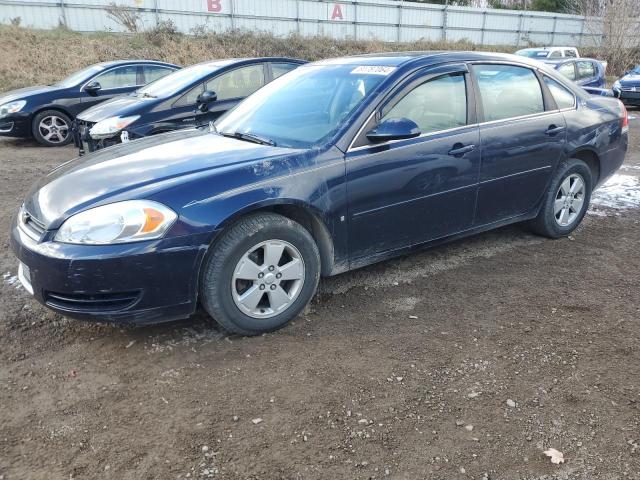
46,112
190,97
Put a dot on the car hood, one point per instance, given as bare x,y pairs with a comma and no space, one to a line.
23,93
137,170
123,106
631,80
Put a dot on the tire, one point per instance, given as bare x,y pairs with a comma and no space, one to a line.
229,274
557,220
52,128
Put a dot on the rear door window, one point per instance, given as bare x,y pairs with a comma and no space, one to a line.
586,70
154,72
563,97
568,70
437,104
508,91
238,83
555,54
570,53
279,69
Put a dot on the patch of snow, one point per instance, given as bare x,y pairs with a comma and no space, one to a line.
619,192
630,167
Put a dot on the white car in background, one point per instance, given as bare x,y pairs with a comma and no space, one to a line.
549,53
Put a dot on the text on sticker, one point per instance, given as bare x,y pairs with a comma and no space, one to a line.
373,70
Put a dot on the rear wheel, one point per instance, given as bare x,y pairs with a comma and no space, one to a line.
52,128
566,201
260,274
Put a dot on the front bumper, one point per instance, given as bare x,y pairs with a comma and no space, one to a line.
86,144
628,97
137,283
15,125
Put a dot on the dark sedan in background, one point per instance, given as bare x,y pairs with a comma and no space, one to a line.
46,112
336,165
193,96
627,88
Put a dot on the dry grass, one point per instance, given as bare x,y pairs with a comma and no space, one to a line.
32,57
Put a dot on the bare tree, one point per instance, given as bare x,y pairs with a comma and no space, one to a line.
614,26
124,15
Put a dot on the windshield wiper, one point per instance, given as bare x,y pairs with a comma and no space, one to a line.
249,137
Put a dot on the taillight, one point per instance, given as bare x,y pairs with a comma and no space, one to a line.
625,118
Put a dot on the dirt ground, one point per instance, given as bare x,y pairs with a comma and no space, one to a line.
462,362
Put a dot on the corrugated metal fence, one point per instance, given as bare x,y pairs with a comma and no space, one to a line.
383,20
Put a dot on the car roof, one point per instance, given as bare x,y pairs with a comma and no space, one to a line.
533,49
115,63
223,62
424,58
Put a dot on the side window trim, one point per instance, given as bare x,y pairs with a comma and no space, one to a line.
396,94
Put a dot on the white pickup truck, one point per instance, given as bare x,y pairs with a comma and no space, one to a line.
549,53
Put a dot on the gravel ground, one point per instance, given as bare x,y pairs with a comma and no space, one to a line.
462,362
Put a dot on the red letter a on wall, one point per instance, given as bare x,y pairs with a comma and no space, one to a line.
337,12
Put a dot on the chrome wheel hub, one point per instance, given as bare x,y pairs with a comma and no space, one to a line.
268,279
569,200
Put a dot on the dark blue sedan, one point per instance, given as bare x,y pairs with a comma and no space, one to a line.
193,96
334,166
46,112
627,88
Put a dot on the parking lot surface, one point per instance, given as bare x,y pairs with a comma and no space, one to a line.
465,361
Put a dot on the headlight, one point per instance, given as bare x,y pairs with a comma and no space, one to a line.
617,85
12,107
121,222
111,126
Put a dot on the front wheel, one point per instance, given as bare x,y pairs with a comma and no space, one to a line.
566,201
52,128
260,274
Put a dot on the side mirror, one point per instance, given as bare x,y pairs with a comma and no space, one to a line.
92,88
394,129
204,99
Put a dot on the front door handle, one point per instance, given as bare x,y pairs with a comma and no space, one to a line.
458,150
553,130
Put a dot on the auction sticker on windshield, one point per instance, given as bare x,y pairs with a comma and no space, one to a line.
372,70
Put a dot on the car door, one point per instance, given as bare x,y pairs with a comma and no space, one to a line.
523,136
406,192
113,82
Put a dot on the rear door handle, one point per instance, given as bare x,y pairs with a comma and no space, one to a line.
553,130
459,150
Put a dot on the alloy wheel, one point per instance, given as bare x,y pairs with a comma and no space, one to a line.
53,129
569,200
268,279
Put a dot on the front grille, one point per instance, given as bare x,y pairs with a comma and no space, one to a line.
91,303
31,225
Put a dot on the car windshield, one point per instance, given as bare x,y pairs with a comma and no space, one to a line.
533,53
80,76
636,70
303,107
180,79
